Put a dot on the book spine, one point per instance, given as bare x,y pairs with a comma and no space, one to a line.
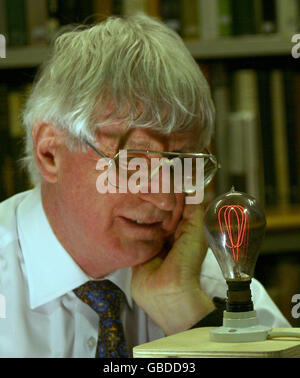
297,121
244,20
252,154
225,26
221,98
287,14
131,7
170,14
102,9
208,19
37,17
75,11
189,19
16,100
291,133
117,7
85,12
267,136
153,8
236,161
280,138
5,183
246,104
16,22
268,17
3,20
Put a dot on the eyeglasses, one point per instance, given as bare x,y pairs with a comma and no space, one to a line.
186,168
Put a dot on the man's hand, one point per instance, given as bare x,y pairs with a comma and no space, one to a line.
168,288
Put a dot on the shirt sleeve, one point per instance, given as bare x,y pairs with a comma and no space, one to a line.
267,312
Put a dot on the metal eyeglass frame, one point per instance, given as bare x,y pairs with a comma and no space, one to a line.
207,178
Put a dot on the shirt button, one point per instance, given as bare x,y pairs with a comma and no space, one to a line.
91,343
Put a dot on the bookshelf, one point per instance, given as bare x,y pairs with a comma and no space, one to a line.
249,46
23,57
214,49
243,46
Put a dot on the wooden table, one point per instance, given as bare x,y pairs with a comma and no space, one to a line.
195,343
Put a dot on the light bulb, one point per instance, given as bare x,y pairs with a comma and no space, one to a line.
234,225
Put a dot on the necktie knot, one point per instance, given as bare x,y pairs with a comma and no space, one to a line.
106,299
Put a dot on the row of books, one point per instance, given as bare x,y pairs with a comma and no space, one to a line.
30,22
13,178
212,19
258,133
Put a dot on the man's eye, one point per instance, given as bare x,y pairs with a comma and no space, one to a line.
176,158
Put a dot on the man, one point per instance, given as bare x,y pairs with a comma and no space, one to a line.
120,85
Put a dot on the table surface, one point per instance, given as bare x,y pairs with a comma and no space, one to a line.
196,343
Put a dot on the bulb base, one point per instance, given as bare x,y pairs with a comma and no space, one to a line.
240,327
239,296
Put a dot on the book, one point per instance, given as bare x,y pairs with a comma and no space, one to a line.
252,152
297,122
189,19
291,108
16,99
267,136
37,18
4,146
3,20
221,97
170,14
16,23
267,23
131,7
287,12
244,17
246,116
102,9
153,8
117,7
244,155
52,24
280,138
208,19
74,11
225,24
237,174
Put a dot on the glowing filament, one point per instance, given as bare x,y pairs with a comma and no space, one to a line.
236,233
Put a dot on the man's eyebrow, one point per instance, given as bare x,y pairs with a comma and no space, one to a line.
189,149
138,145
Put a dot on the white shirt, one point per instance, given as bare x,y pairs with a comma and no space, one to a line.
40,316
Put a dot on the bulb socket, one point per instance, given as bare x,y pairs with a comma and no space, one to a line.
239,296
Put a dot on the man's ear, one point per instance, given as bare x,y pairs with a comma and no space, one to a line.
45,139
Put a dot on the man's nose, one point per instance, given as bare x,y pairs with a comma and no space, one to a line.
163,201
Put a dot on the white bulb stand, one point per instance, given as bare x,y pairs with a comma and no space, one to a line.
239,327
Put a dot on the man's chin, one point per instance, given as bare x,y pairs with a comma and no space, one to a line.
142,251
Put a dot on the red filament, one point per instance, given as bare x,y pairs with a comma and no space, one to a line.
236,232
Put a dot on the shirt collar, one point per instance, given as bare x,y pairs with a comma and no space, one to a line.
51,271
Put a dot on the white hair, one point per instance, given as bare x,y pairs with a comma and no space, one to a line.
137,64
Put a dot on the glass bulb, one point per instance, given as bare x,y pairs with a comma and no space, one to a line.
234,225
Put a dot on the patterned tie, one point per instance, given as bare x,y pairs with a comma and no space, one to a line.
106,298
